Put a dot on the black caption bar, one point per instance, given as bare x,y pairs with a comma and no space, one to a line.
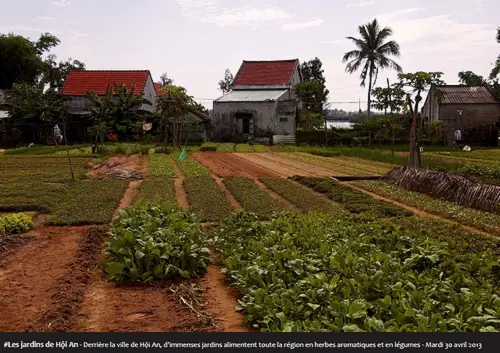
250,342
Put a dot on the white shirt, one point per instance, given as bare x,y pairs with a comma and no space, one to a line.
458,135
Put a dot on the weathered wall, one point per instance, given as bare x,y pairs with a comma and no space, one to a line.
224,122
431,109
149,94
286,114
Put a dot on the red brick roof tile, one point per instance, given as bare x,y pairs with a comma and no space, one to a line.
158,88
265,73
79,82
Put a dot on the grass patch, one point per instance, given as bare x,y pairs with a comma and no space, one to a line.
157,190
243,147
89,202
226,147
259,148
160,166
304,199
353,200
42,150
485,221
253,198
206,199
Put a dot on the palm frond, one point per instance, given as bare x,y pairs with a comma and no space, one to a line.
364,73
353,65
496,70
354,54
389,48
383,35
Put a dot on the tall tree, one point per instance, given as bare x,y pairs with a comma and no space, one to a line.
372,54
391,98
496,69
470,79
226,83
312,90
416,84
56,72
165,80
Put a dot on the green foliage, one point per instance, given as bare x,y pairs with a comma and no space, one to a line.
259,148
322,273
226,147
226,82
43,150
208,147
206,199
481,170
153,242
352,200
310,121
388,98
301,197
117,149
89,202
160,166
189,166
243,147
87,150
15,223
486,221
252,198
312,90
470,79
436,132
163,149
158,190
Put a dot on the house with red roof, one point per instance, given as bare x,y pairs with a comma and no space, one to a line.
80,82
261,102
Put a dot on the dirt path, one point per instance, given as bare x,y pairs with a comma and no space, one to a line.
129,196
229,197
417,211
135,164
282,166
222,300
226,165
287,204
27,275
180,193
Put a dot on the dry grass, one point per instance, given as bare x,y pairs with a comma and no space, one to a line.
462,190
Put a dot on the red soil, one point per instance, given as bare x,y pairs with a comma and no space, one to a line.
230,165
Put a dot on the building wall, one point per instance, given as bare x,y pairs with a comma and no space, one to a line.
264,115
149,94
286,114
431,109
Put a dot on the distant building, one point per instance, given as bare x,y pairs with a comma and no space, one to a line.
3,113
261,102
462,107
79,82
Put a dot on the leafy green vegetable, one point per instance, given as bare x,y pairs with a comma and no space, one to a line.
345,273
259,148
242,147
15,223
226,147
152,241
206,199
160,166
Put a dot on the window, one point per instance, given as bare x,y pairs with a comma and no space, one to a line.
283,120
246,126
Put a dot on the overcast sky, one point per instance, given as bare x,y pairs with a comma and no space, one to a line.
195,40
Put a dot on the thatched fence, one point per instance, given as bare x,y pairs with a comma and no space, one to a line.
465,191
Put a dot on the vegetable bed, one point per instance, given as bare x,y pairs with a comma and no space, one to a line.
352,200
160,190
189,166
160,166
342,273
206,199
226,147
89,202
486,221
304,199
243,147
252,198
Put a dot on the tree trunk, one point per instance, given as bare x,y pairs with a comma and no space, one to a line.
370,90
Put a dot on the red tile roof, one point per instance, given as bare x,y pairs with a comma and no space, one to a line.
265,73
79,82
467,95
158,88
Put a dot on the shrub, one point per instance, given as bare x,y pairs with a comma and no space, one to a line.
163,149
208,147
15,223
145,150
150,242
243,147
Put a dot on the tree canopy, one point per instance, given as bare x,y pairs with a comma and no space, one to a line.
312,90
372,54
470,79
226,83
496,68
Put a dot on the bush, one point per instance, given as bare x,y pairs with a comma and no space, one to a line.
153,242
145,150
15,223
208,147
163,149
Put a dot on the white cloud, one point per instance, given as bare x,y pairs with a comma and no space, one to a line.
361,4
315,22
209,12
45,18
61,3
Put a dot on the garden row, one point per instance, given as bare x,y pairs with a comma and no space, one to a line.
231,147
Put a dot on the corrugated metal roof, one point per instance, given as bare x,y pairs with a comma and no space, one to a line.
467,95
252,96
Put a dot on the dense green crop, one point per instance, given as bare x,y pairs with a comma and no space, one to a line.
341,273
151,241
243,147
304,199
486,221
158,190
352,200
189,166
160,166
252,198
226,147
89,202
208,146
259,148
15,223
206,199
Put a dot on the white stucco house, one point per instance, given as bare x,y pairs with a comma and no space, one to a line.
79,82
261,102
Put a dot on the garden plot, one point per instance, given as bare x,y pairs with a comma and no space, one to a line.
229,165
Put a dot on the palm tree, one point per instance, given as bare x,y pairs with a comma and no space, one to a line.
371,53
496,68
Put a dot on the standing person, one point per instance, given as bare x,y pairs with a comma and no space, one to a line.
458,137
57,135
